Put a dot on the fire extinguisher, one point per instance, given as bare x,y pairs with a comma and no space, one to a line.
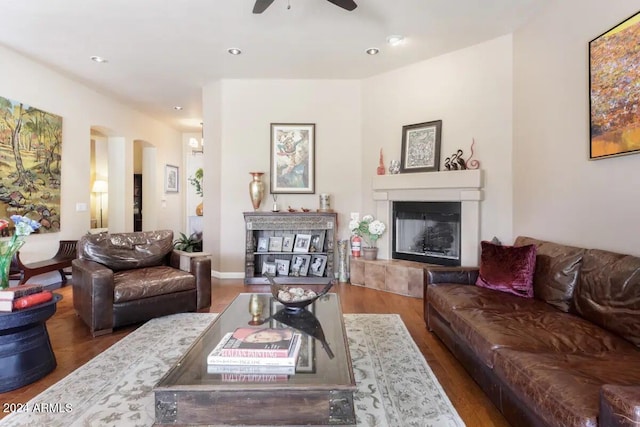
356,246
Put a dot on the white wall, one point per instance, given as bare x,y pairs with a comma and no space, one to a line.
247,108
81,108
559,194
470,90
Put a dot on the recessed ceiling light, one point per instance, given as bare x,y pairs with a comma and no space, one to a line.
99,59
373,51
234,51
177,108
395,40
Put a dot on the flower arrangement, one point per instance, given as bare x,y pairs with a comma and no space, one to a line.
24,227
368,228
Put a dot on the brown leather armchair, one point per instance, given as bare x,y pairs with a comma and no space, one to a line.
125,278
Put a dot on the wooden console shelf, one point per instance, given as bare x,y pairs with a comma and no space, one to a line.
266,225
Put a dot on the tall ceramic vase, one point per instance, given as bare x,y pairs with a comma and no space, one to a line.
256,189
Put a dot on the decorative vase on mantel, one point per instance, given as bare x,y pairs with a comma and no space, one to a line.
199,209
370,253
256,189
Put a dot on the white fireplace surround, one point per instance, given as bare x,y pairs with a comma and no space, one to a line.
463,186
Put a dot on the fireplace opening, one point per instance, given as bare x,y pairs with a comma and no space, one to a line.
426,232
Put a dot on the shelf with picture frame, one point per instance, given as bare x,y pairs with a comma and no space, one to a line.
299,244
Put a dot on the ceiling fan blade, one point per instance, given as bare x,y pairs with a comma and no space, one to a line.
261,5
345,4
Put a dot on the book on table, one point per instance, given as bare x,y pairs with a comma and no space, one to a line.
258,342
252,373
254,378
20,291
283,352
23,296
251,369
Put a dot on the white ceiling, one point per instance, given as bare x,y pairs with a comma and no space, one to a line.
162,52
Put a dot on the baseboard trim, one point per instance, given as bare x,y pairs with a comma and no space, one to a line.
227,275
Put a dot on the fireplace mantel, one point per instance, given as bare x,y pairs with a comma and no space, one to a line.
463,186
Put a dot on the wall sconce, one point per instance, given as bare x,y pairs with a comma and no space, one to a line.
196,147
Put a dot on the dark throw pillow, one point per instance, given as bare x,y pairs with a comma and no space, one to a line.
507,268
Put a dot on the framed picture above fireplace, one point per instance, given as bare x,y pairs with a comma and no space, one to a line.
421,147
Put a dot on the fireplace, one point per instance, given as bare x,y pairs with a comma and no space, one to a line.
462,187
426,232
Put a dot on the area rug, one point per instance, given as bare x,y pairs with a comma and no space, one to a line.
395,386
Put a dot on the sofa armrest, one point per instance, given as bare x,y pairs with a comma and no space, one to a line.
198,264
619,405
458,275
93,294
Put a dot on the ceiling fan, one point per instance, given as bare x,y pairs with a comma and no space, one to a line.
262,5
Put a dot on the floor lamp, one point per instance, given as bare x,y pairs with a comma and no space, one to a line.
100,187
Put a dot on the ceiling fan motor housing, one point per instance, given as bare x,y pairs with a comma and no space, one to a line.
261,5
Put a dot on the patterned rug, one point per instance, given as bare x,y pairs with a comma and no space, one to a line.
395,385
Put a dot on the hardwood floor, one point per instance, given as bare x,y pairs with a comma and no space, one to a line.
74,346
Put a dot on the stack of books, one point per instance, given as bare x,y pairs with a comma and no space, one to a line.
255,355
23,296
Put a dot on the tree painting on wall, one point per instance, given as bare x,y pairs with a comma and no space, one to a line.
30,163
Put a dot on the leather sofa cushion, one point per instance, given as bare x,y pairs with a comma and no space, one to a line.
123,251
608,292
533,328
564,389
620,405
557,270
148,282
446,297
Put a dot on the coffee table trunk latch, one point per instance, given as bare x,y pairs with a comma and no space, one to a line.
166,408
341,410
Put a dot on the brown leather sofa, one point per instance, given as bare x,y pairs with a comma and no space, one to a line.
126,278
567,357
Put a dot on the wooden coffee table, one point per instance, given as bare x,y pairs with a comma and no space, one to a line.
319,393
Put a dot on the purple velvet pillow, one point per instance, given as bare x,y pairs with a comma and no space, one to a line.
508,268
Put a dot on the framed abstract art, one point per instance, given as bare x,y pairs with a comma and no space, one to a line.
614,98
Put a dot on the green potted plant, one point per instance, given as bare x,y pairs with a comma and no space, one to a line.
196,181
192,243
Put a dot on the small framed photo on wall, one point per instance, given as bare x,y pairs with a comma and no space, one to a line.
171,179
